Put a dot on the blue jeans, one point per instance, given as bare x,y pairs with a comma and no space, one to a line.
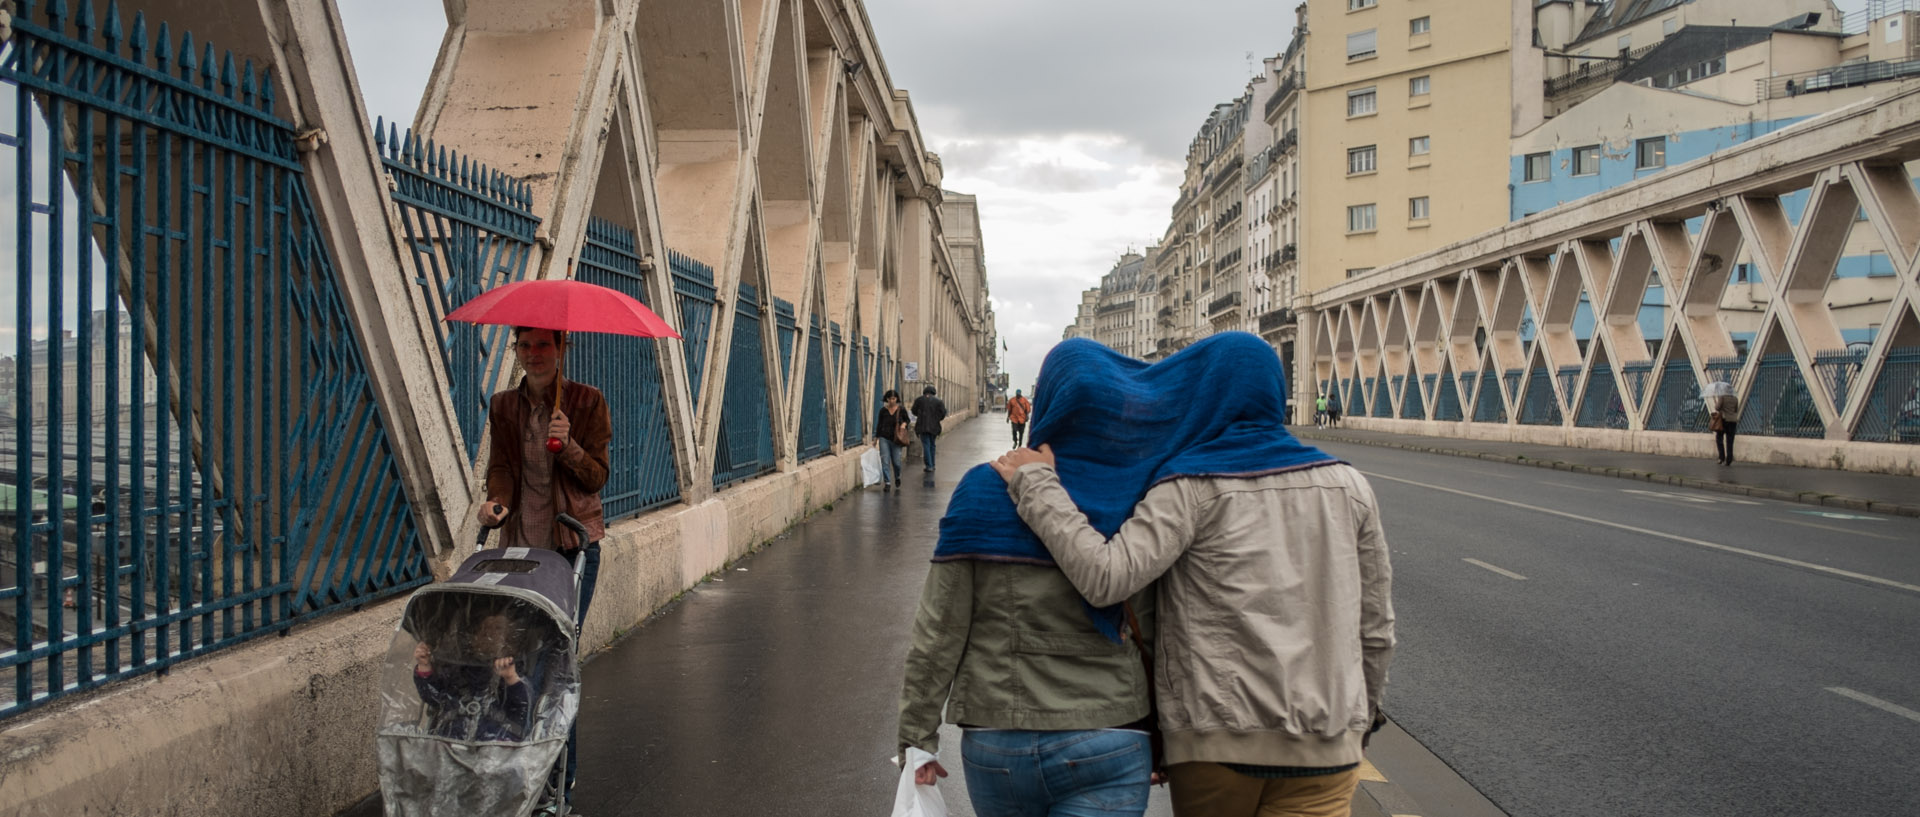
889,461
1092,773
926,447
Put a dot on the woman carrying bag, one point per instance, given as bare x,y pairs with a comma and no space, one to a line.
893,429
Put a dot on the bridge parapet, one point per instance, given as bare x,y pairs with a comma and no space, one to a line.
1786,266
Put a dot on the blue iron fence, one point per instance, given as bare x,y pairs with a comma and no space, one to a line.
469,230
1540,408
1489,407
1637,374
1601,406
1893,407
641,473
856,409
1382,401
786,329
694,290
1778,403
1446,402
195,457
745,447
1676,404
1836,370
1412,405
814,438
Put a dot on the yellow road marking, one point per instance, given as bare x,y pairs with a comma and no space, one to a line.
1831,571
1369,773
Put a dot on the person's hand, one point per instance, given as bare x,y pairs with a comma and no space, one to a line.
929,773
504,668
558,427
422,657
1157,778
1010,462
492,513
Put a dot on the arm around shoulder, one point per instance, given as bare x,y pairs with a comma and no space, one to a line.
1106,571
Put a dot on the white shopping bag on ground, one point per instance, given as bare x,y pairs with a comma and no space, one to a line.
870,467
917,801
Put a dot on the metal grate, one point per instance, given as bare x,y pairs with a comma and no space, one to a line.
641,472
1540,408
1778,404
694,291
468,230
1893,407
786,329
1637,375
1382,401
1412,405
745,445
855,409
1601,406
1836,370
814,439
1677,405
192,452
1488,407
1446,401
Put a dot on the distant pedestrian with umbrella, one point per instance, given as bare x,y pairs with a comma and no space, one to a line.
549,434
1723,418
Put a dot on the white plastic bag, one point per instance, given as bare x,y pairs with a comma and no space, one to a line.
917,801
870,467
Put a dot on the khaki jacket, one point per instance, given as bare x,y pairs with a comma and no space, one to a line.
1274,613
581,467
1727,406
1009,646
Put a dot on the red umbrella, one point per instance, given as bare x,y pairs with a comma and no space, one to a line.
563,305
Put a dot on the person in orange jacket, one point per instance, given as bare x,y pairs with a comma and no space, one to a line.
1017,410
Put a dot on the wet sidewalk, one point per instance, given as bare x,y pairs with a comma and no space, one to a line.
1848,490
772,688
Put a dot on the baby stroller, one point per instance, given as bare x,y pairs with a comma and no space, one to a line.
481,686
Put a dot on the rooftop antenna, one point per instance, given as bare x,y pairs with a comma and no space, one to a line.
1249,63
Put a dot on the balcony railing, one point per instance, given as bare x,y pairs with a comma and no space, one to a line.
1276,319
1287,87
1223,303
1595,71
1837,77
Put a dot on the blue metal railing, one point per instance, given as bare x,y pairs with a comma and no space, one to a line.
785,329
814,439
1412,405
195,456
1778,403
1600,406
469,230
694,291
1382,401
856,409
1836,370
1676,404
1355,400
1893,413
745,447
641,472
1637,374
1446,399
1489,407
1540,408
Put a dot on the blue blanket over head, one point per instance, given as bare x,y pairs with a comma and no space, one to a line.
1119,426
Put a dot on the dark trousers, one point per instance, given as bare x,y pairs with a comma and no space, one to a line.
926,448
1723,441
1019,433
589,576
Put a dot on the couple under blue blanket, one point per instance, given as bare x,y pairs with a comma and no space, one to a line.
1118,426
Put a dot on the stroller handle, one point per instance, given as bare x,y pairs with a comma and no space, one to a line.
579,529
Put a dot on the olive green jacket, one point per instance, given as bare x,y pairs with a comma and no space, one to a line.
1010,646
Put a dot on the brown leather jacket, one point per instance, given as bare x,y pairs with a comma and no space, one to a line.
583,463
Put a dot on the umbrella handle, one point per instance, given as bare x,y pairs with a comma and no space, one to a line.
554,445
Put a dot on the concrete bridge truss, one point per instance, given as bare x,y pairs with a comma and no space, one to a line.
237,408
1788,267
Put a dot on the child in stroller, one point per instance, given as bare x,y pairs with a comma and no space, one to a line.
487,700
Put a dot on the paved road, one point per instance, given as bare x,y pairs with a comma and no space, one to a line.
1668,652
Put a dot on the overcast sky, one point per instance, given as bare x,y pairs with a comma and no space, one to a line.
1068,118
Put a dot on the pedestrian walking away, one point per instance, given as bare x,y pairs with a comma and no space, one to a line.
1333,410
1320,411
891,432
1723,418
1017,410
529,484
1272,571
929,414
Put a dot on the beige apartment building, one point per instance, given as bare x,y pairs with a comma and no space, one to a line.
1119,312
1410,104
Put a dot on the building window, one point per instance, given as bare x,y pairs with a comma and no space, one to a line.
1419,146
1742,273
1356,5
1538,167
1417,208
1355,272
1420,25
1586,160
1419,86
1649,154
1360,160
1361,218
1361,102
1625,43
1669,25
1361,44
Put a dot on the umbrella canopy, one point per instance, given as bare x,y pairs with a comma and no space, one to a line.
564,305
1718,388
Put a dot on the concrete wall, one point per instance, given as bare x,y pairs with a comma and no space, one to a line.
284,726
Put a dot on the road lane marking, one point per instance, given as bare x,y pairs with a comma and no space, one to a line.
1837,529
1697,500
1849,516
1500,570
1831,571
1369,773
1876,703
1573,487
